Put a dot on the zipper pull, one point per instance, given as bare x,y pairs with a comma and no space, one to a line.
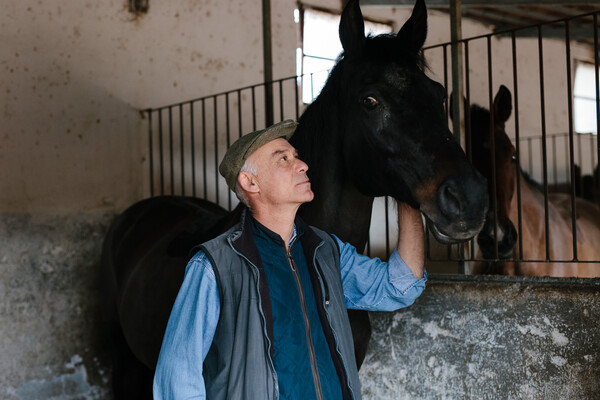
291,260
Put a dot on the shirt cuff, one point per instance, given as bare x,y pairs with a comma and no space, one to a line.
401,275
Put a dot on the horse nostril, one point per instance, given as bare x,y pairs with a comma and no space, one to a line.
449,199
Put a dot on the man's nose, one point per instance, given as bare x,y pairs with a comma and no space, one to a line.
301,166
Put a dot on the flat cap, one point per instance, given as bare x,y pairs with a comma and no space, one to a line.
241,149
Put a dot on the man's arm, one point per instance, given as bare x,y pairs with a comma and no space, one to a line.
371,284
189,334
411,238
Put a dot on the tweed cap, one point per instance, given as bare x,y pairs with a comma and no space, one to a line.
241,149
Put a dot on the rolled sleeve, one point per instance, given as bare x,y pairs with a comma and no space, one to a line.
374,285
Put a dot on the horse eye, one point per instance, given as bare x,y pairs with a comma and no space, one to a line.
370,103
513,158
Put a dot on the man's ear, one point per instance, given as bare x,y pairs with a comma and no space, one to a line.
248,182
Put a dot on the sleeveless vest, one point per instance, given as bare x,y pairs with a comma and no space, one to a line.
239,363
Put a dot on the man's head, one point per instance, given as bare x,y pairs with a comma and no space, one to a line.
263,168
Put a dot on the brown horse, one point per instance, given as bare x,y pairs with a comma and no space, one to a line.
499,241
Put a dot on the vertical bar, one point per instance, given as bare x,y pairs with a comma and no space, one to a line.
468,133
216,132
253,108
267,61
227,137
160,151
239,98
492,142
150,152
312,87
554,169
387,229
297,98
193,145
457,71
204,171
544,160
530,152
571,144
181,155
171,160
517,142
447,105
280,100
596,73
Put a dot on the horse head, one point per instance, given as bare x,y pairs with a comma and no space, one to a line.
495,157
396,140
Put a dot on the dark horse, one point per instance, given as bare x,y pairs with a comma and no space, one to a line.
498,240
377,128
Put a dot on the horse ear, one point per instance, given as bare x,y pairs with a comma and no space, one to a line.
352,29
502,104
413,33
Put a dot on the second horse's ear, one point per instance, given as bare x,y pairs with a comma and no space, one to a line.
502,104
413,33
352,29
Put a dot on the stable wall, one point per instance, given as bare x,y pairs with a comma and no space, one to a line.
73,150
462,339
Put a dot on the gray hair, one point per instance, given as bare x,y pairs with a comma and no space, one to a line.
250,168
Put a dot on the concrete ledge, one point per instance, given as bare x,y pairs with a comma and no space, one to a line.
489,338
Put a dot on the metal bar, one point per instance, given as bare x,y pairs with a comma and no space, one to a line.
571,144
445,53
239,99
193,145
517,143
204,170
171,159
150,153
253,108
297,99
160,152
181,153
387,229
457,72
554,168
216,132
596,73
544,160
468,132
280,101
492,143
267,61
228,140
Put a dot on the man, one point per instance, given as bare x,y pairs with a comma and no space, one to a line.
261,313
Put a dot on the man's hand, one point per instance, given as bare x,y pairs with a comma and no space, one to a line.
411,239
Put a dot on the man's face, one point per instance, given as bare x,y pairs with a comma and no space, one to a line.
281,178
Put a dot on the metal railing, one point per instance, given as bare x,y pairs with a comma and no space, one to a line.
188,139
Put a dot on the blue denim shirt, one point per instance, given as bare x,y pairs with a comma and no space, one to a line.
369,284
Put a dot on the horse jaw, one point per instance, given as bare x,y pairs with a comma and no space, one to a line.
444,238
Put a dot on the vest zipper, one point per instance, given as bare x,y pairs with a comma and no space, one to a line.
311,349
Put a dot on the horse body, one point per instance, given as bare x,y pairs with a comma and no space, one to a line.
377,128
499,233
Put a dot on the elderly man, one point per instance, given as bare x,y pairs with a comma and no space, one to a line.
262,313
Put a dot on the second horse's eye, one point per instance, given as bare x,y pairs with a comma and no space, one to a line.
370,103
